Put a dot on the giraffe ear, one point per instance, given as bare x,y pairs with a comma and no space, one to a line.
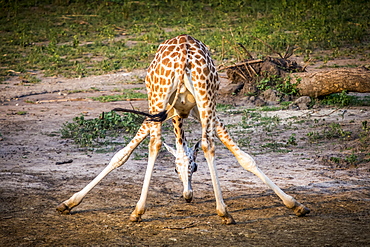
170,149
197,146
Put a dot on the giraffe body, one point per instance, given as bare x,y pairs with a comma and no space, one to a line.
181,81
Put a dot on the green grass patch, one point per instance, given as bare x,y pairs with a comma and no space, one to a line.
254,119
344,99
272,108
332,131
82,38
223,107
127,94
276,147
283,86
101,131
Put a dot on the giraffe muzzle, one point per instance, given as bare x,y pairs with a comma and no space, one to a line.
188,196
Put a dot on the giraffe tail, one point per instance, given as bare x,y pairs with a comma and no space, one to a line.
159,117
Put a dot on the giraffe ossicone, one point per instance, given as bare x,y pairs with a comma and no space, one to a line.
181,81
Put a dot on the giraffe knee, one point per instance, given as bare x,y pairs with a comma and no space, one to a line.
208,147
155,143
119,159
204,144
248,163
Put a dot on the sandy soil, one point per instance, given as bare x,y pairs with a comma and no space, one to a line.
33,183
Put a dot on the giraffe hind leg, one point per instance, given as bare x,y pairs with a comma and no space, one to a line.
208,148
154,147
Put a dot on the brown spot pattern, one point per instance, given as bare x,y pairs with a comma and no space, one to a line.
174,58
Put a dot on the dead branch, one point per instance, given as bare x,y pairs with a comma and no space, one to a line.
241,63
246,51
269,46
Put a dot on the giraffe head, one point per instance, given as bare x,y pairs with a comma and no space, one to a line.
185,167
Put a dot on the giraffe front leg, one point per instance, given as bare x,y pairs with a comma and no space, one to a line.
248,163
154,147
118,159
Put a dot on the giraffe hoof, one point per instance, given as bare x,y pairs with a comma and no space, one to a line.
135,218
188,196
63,208
228,220
188,199
300,210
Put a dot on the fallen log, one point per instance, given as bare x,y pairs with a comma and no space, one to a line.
333,81
245,78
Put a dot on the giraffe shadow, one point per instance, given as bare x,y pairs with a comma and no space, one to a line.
178,209
101,209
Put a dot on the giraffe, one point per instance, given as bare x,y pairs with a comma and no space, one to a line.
181,81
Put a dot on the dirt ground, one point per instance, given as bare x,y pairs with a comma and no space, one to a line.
33,183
